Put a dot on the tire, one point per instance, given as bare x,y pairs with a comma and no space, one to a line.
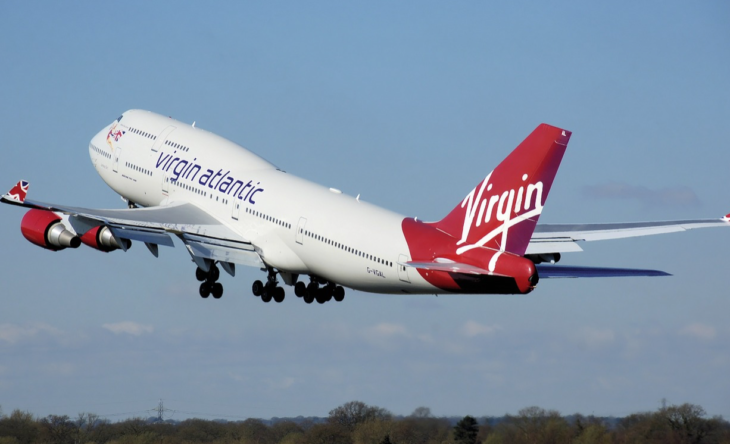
339,294
279,295
257,288
300,289
204,290
312,288
309,297
321,296
266,296
215,273
200,275
217,290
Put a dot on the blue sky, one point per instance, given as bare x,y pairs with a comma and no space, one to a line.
409,104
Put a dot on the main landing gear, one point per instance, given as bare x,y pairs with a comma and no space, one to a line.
313,291
209,284
270,289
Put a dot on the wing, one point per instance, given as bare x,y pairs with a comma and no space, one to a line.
543,271
205,237
569,271
549,238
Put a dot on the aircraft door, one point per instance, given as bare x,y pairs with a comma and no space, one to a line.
236,208
300,230
165,183
117,153
162,138
402,269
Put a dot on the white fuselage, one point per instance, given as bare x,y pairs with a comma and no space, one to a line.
297,226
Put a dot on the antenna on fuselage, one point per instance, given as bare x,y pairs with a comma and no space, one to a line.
193,124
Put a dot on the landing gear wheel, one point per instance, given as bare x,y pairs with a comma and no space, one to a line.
339,293
266,296
309,297
200,275
204,290
279,294
257,288
321,296
217,290
300,289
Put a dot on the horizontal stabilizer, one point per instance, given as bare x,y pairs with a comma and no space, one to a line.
447,266
569,271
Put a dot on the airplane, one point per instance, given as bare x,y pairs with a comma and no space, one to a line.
230,207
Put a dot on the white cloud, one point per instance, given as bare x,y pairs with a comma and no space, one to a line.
699,331
12,333
281,384
388,329
595,338
473,328
128,327
386,335
59,368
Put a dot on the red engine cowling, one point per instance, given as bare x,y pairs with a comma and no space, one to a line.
102,239
44,228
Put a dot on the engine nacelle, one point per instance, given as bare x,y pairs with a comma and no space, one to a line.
102,239
45,229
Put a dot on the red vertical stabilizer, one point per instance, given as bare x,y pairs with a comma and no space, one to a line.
501,211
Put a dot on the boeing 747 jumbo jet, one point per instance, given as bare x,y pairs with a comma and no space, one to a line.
230,207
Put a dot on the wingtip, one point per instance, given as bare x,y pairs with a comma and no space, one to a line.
18,193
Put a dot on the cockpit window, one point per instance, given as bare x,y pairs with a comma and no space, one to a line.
119,119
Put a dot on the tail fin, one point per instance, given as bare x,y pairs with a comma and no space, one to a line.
502,211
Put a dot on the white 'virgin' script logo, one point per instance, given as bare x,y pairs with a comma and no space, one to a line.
528,199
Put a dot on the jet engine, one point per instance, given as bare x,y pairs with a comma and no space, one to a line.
45,229
102,239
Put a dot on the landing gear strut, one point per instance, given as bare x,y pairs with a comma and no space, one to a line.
270,290
209,284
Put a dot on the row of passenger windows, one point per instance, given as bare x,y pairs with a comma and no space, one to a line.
196,190
142,133
185,186
271,219
346,248
100,152
177,146
139,169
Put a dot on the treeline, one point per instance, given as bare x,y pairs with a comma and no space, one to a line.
359,423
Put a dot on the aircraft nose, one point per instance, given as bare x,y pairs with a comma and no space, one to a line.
99,140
